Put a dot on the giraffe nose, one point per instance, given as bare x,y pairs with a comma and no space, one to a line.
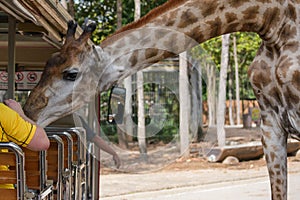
34,106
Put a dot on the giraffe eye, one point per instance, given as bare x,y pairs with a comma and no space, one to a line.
70,75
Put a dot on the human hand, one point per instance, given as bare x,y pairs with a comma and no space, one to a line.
117,161
14,106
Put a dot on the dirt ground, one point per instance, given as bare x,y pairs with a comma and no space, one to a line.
166,157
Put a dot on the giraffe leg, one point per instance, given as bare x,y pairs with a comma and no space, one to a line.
275,149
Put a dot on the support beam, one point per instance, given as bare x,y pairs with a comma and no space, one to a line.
11,57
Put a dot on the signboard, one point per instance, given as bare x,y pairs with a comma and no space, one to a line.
25,80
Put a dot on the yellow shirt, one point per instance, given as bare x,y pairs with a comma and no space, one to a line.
13,128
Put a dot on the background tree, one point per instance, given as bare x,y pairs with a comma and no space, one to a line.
222,90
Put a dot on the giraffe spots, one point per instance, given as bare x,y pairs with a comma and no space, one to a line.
277,166
231,17
275,93
268,136
215,27
171,45
260,72
271,172
208,8
270,19
145,41
272,156
282,71
250,17
265,1
150,53
232,21
291,12
285,62
187,18
289,32
269,52
251,13
296,80
134,58
196,34
160,33
291,97
237,3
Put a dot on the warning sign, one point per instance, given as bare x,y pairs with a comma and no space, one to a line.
32,77
19,77
25,80
3,76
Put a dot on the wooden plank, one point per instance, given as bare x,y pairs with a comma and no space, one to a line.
8,177
7,158
33,181
29,153
32,166
9,194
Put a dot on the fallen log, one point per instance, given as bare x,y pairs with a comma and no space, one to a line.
248,151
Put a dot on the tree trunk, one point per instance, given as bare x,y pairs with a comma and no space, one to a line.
222,91
230,113
141,132
122,129
196,111
119,14
237,85
211,94
184,102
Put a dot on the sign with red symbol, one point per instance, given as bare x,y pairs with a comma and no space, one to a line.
32,77
25,80
19,77
3,76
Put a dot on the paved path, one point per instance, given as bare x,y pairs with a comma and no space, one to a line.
210,184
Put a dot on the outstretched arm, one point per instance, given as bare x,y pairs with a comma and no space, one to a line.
40,140
99,142
105,147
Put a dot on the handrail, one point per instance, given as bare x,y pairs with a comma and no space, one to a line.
20,166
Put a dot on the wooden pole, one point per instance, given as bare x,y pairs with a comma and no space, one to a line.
11,57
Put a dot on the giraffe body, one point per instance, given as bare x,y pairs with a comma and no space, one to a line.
171,29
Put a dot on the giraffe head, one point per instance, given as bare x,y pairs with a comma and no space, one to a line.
64,85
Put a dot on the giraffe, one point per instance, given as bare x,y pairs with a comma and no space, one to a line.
72,76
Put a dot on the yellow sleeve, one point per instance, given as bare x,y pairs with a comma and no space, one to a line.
14,127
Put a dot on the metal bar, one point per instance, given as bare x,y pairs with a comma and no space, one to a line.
11,57
67,172
60,163
20,167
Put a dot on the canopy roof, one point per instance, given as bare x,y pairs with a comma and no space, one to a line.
39,26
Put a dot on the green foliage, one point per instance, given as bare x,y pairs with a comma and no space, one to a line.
247,46
105,13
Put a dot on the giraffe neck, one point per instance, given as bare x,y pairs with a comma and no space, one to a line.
179,25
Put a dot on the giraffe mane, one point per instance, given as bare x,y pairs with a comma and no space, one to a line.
144,20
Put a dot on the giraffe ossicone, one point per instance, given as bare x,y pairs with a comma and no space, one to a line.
171,29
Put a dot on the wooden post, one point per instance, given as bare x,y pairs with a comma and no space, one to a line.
11,57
